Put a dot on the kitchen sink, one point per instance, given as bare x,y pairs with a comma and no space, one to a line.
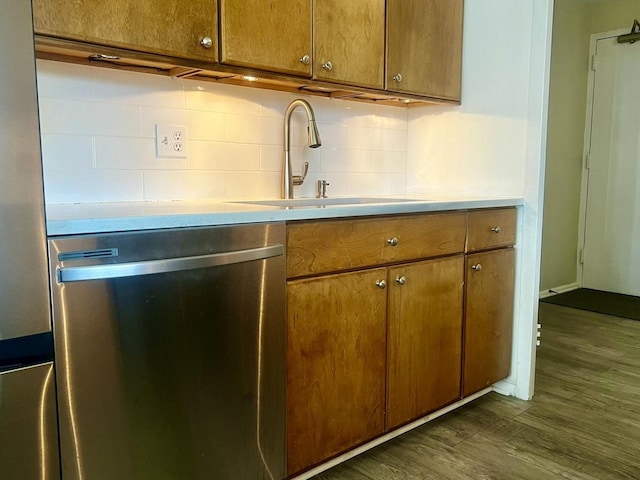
322,202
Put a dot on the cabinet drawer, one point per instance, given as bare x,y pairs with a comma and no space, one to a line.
328,246
491,228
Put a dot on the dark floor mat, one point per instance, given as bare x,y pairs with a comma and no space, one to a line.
626,306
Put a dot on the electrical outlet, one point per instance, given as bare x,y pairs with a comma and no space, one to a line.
171,141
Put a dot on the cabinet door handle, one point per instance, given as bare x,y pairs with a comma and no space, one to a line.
206,42
328,66
401,280
305,59
496,229
477,267
392,241
381,284
397,77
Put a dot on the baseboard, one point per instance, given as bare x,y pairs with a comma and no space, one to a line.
505,388
556,290
388,436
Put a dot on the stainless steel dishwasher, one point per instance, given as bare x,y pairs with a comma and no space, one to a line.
170,353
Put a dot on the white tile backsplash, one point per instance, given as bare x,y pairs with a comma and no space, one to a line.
126,153
67,152
115,86
98,139
63,80
207,126
183,185
270,158
242,128
224,156
93,185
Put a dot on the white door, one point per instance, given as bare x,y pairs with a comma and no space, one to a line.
612,221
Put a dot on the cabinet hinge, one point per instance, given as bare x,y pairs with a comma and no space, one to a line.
587,161
593,62
582,256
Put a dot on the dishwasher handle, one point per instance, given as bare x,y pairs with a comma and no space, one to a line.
149,267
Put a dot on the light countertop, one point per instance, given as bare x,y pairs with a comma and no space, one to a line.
74,219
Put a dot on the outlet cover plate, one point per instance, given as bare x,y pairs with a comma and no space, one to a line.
171,141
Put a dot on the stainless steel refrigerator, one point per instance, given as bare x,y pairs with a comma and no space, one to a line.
28,425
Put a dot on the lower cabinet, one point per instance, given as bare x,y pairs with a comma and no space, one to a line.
488,318
336,364
420,317
349,332
424,344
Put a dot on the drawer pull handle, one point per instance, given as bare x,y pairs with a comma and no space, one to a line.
381,284
496,229
477,267
401,280
392,241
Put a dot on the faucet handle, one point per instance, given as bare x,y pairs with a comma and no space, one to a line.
299,179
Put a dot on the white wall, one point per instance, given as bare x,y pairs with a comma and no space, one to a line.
98,139
480,146
494,143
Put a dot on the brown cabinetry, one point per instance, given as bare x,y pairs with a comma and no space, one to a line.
424,47
333,245
489,290
335,364
267,35
177,29
349,42
385,334
424,343
391,52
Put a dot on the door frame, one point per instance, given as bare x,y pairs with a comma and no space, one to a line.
582,220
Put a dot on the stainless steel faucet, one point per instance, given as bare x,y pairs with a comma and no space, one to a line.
289,180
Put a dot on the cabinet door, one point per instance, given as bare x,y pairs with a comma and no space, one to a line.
335,364
425,337
273,35
488,318
424,47
160,26
349,41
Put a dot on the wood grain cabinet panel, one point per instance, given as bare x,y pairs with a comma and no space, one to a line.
349,42
491,228
424,343
424,47
488,320
272,35
336,329
365,357
165,27
327,246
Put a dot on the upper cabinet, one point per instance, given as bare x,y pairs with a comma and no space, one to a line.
273,35
349,42
165,27
393,52
424,47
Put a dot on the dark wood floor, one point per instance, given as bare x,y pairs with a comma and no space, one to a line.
583,423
